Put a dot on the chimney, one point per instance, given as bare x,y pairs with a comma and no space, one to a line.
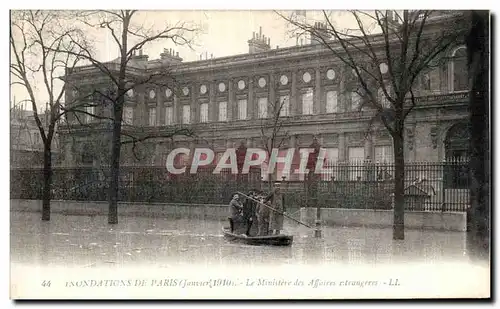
141,58
170,56
390,16
259,43
320,33
392,19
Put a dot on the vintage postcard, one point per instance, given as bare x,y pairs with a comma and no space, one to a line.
300,154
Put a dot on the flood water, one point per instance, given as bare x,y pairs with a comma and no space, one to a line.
84,241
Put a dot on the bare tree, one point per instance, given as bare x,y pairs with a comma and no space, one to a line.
129,38
43,45
385,55
272,129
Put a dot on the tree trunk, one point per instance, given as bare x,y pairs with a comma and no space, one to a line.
477,47
399,176
115,164
47,182
271,181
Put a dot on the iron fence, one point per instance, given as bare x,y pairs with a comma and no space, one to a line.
441,186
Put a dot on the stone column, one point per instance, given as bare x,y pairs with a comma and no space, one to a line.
369,148
176,113
343,170
191,151
319,138
160,109
341,96
293,141
272,99
296,158
317,93
252,114
212,105
230,101
293,95
369,167
342,147
138,114
194,106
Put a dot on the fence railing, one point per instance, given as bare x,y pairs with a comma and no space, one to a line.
441,186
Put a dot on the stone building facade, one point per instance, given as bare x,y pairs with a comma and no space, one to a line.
26,144
225,101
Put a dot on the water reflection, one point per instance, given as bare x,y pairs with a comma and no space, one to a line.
91,242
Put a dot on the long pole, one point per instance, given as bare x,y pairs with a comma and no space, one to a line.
281,213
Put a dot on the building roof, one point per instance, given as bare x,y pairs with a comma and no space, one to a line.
141,62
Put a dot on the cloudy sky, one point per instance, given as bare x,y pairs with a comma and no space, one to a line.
223,33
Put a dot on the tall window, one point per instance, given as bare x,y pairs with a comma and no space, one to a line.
169,115
128,115
331,159
430,81
242,109
382,98
384,154
152,116
355,101
36,138
331,102
356,166
204,112
285,106
307,102
459,76
332,155
222,111
356,154
90,110
186,114
262,107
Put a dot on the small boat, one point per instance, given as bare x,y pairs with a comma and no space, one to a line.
271,240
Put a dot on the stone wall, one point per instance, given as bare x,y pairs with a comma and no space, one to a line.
451,221
448,221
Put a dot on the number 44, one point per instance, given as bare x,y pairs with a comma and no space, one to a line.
46,283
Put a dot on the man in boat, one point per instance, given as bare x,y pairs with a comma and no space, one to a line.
249,208
254,229
236,219
263,215
276,216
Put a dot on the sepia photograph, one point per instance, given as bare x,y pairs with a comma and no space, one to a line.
249,154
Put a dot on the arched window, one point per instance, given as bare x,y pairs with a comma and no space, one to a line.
456,146
457,142
459,79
